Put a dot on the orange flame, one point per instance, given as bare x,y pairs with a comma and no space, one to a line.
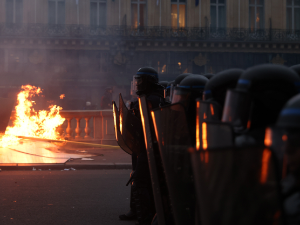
28,122
62,96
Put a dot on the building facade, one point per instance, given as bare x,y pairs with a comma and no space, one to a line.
78,47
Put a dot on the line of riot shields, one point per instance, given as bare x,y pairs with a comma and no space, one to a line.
227,166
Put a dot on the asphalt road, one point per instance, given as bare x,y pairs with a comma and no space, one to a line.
64,197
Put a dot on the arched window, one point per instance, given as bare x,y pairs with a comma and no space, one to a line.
14,11
56,12
293,14
98,12
218,13
178,13
256,14
138,13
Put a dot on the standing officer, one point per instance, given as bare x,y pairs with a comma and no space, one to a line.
145,82
107,98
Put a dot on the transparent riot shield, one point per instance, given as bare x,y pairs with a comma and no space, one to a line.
154,162
173,136
211,134
210,131
208,110
237,186
5,112
119,137
130,128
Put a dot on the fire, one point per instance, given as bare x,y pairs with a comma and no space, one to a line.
28,122
62,96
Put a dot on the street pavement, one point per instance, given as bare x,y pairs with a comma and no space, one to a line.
57,197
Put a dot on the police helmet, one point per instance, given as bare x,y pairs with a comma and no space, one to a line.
216,87
164,83
180,77
284,136
208,75
260,94
296,68
190,88
144,80
176,82
289,117
210,108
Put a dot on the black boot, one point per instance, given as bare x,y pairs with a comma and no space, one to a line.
143,202
131,215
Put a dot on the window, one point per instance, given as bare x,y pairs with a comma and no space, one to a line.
217,13
56,11
256,14
293,14
14,11
98,12
138,13
178,13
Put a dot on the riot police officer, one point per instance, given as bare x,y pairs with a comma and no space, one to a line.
186,92
215,89
296,68
255,103
286,136
145,82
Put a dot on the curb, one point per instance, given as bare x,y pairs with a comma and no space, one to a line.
100,166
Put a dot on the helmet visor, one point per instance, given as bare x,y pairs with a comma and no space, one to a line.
207,110
171,92
136,83
237,110
181,95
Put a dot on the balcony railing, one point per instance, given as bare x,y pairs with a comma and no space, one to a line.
94,126
89,126
148,33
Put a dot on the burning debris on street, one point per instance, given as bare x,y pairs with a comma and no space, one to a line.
30,123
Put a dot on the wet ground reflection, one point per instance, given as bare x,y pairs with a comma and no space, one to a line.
28,151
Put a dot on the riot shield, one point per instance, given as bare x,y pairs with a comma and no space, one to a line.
208,110
153,161
237,186
5,112
130,128
210,131
211,134
119,137
173,136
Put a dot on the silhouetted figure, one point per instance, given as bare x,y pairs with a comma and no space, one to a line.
106,99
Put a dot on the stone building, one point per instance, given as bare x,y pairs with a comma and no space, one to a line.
78,47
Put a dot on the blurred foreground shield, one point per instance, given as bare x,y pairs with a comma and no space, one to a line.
173,137
237,186
154,161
